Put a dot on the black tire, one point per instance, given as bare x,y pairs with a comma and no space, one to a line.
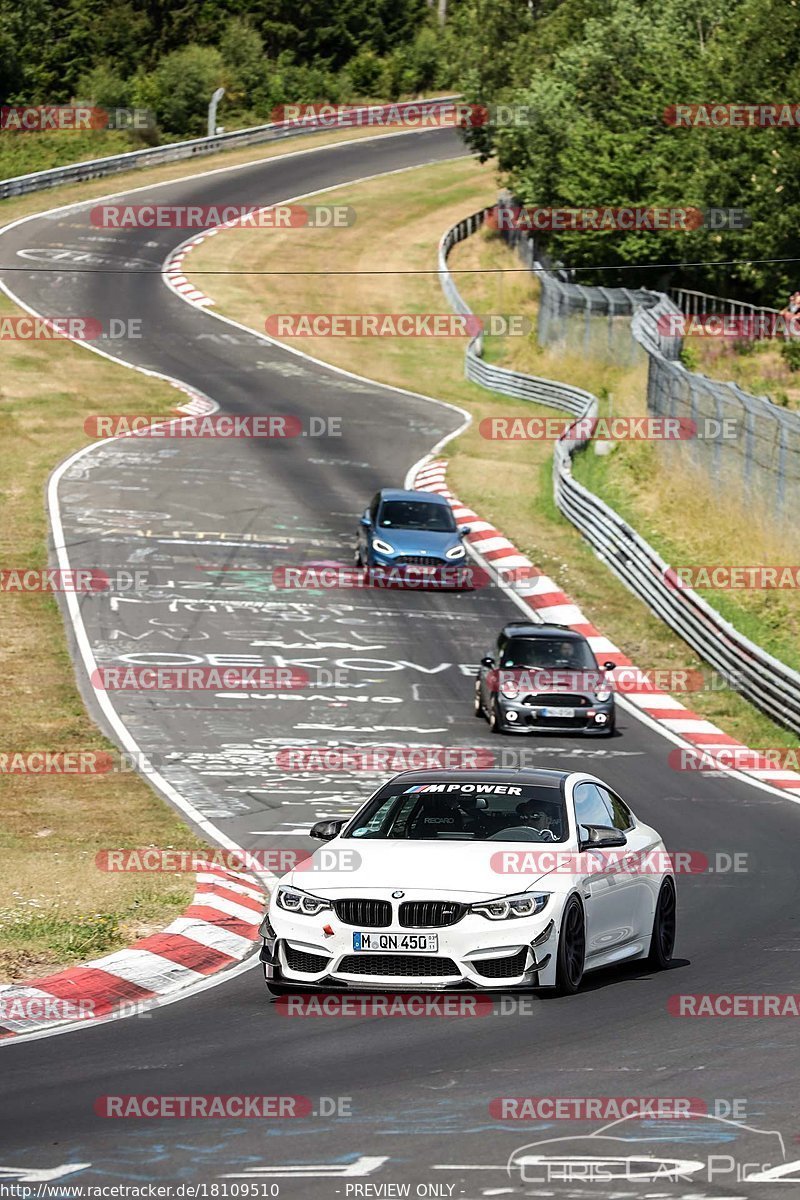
477,707
662,939
571,955
495,720
359,557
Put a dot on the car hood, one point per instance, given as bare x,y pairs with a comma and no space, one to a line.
418,541
431,868
553,681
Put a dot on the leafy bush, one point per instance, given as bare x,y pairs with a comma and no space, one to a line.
366,72
790,353
104,86
180,88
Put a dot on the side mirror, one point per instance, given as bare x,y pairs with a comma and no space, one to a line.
601,837
609,665
323,831
487,661
365,519
464,530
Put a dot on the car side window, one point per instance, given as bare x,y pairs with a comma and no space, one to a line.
373,508
621,815
590,808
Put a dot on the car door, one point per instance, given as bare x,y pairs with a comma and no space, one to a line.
642,851
609,895
488,675
365,531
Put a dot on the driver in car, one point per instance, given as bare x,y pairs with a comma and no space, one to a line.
534,813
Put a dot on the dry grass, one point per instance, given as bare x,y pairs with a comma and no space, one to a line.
758,367
509,483
55,906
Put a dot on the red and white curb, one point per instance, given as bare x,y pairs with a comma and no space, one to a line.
173,269
197,405
547,602
217,931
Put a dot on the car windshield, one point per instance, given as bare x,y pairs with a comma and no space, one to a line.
464,811
417,514
542,653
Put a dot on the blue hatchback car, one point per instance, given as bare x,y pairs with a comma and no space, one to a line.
403,528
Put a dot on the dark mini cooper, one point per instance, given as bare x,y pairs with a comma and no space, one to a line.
544,677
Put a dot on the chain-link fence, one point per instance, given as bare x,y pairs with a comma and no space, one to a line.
763,680
748,444
583,320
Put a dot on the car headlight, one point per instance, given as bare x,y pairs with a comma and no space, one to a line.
381,546
603,694
509,688
524,904
455,552
293,900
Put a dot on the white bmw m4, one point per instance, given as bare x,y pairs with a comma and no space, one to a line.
490,879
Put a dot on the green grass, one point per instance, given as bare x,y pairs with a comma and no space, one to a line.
23,153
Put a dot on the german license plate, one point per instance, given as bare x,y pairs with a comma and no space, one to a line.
395,941
558,712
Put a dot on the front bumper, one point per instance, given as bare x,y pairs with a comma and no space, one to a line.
428,574
474,953
594,720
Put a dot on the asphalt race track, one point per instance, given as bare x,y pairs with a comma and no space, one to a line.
205,519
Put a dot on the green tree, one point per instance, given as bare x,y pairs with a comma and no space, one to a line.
242,51
180,88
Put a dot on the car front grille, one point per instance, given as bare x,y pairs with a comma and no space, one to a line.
419,560
430,914
501,968
558,700
301,960
408,966
371,914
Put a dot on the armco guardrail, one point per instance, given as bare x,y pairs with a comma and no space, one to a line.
514,383
763,680
96,168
